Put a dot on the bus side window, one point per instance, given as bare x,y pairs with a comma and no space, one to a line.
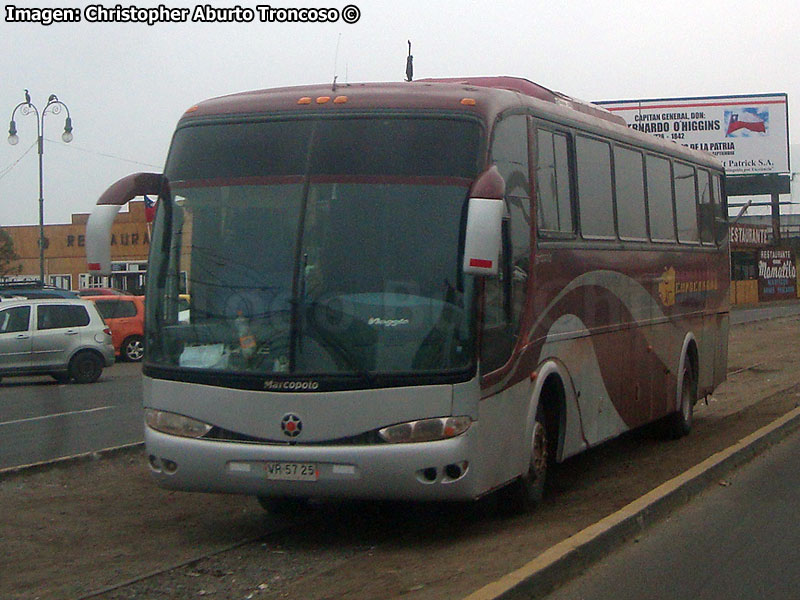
659,199
596,207
706,207
505,295
554,208
685,202
629,185
720,212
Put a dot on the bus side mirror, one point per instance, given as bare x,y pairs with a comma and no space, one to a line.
98,227
484,235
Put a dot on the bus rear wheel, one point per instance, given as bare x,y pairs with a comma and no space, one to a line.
679,423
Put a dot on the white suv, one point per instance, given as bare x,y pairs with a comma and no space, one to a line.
61,337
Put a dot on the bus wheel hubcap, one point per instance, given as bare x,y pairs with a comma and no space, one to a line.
539,458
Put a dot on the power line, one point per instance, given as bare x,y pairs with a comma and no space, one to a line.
86,150
10,167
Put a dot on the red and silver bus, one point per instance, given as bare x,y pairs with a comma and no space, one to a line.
426,290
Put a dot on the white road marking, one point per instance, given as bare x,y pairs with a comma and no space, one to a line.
54,416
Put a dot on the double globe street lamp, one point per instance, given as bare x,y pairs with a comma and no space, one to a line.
54,106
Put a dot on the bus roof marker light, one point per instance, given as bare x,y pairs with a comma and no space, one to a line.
340,100
323,99
192,109
304,100
468,101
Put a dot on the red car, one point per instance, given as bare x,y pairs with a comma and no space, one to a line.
124,315
100,291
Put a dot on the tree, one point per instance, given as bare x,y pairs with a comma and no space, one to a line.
7,255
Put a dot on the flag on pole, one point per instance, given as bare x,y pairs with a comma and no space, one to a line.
149,209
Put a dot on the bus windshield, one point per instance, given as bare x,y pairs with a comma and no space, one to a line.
313,247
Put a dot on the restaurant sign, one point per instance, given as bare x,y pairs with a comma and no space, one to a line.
777,275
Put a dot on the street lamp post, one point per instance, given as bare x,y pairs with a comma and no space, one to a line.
53,106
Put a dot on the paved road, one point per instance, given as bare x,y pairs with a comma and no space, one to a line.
41,420
740,539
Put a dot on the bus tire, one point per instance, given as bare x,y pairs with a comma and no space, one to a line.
527,491
679,423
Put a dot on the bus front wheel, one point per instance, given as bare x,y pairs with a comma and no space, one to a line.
527,492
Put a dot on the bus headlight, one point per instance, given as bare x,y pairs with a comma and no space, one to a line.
426,430
173,424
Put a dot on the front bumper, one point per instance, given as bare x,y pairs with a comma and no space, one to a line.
441,470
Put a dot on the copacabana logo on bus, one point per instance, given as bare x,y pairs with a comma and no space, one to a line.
674,286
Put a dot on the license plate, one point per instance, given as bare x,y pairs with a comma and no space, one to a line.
291,471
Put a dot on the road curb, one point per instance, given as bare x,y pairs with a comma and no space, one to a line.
66,460
566,559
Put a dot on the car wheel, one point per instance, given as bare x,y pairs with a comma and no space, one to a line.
133,348
85,367
60,377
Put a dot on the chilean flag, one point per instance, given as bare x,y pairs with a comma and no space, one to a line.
149,209
746,120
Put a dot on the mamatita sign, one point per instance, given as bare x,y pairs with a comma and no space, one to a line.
748,134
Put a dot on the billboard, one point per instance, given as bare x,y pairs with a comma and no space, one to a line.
749,134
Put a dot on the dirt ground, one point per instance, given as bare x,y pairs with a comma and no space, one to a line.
81,529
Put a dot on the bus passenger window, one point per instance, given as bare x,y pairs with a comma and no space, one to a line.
554,209
594,188
720,212
659,199
685,203
629,180
706,208
510,154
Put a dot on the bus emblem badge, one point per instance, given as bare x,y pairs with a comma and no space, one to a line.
291,425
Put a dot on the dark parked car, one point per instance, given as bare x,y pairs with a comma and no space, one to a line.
33,289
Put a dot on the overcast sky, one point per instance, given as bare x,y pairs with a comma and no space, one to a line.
126,85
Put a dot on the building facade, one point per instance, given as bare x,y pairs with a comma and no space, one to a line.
65,252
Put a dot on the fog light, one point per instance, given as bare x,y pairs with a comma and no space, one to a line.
456,471
170,466
155,464
452,471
